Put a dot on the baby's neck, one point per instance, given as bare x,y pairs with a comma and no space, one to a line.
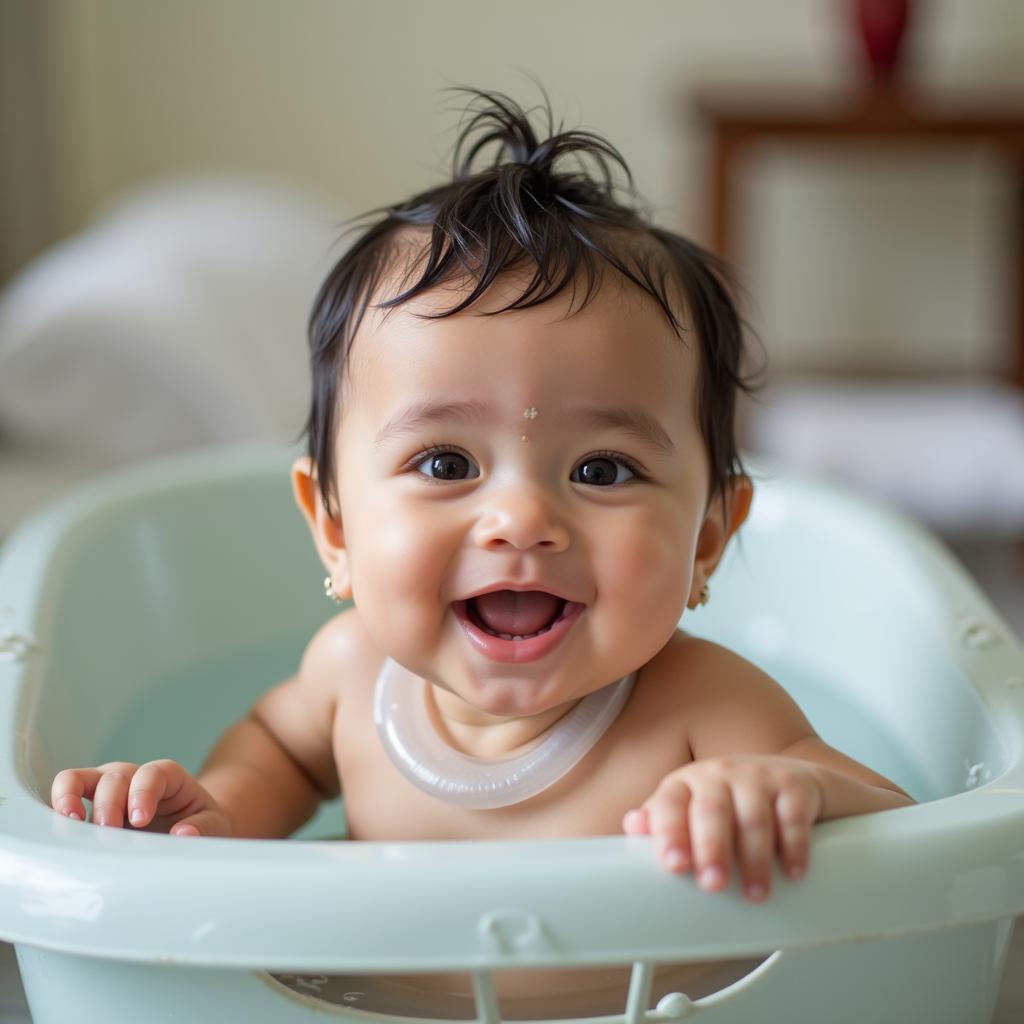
479,734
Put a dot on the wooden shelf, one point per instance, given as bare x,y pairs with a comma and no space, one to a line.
881,119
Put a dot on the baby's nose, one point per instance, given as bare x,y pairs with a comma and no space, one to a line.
521,518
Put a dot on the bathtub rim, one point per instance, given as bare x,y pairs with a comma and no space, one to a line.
79,890
979,881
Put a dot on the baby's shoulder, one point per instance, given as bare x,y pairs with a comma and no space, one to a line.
340,654
726,699
691,664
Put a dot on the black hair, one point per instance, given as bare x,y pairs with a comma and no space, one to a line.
529,209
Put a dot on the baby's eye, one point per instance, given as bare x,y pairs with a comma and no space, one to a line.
602,471
446,465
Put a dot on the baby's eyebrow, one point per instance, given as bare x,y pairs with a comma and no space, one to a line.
421,414
636,422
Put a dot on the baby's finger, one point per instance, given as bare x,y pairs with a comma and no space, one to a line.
795,816
668,821
150,784
111,796
204,823
68,789
755,840
636,823
711,834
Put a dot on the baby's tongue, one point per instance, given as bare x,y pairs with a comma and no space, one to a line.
516,612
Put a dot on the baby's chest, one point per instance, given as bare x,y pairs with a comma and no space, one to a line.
618,774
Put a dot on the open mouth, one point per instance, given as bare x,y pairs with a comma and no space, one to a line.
516,615
513,625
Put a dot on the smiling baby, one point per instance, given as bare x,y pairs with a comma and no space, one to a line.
522,471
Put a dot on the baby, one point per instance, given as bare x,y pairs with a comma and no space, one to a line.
522,470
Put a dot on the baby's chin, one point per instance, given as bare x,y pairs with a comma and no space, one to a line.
491,693
503,697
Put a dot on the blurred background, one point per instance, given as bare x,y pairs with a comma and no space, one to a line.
173,176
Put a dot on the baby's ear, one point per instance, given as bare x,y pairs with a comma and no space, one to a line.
724,516
325,526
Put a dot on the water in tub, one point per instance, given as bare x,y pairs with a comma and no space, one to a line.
163,722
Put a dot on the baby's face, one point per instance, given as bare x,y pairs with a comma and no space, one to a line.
552,462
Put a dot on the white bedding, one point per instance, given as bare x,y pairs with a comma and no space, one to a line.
951,453
177,320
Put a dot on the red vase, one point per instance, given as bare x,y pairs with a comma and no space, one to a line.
882,25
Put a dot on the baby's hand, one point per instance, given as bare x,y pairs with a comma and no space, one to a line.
744,807
159,795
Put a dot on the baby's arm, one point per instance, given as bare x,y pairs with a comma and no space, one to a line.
759,779
271,770
264,778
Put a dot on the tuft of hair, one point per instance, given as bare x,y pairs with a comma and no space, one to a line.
549,203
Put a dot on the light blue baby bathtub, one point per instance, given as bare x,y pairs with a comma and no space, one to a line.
145,613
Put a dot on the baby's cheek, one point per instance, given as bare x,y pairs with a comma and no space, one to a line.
652,573
398,577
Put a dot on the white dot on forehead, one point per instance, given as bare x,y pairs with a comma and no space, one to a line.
530,414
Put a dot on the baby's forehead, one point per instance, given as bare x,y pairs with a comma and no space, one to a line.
603,303
614,315
617,342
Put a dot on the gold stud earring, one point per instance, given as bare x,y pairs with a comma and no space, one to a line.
329,590
705,595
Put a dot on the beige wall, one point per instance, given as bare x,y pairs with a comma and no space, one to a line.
344,96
